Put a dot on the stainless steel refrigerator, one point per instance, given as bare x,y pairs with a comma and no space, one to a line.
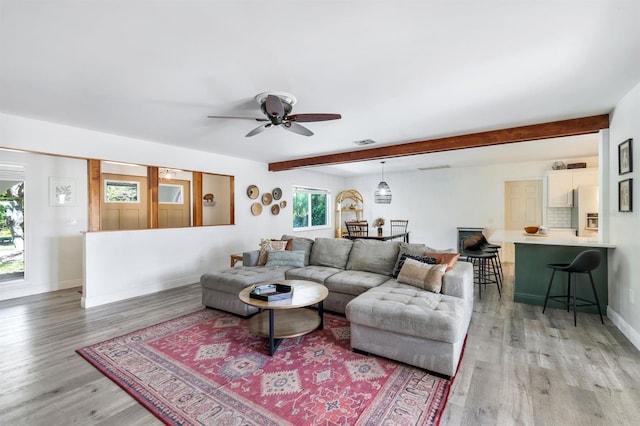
584,214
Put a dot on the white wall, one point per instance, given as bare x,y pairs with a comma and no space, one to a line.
53,239
129,263
624,268
437,202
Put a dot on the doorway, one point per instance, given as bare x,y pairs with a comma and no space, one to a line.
11,229
124,202
174,203
522,207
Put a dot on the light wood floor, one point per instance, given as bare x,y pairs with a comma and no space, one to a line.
519,366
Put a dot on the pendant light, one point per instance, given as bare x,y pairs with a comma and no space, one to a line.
382,194
167,174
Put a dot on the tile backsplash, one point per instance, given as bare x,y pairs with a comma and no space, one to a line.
558,217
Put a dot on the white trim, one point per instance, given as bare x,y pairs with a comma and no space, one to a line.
313,191
624,327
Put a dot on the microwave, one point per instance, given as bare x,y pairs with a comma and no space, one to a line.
592,221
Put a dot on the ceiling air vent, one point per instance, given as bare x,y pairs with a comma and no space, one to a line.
365,142
444,166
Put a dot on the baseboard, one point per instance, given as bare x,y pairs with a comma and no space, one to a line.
23,288
70,284
103,299
624,327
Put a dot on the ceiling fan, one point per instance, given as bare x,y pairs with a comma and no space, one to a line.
277,106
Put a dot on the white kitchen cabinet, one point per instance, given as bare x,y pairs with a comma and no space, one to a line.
561,183
560,188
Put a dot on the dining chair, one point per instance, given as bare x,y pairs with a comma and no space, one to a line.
398,226
357,229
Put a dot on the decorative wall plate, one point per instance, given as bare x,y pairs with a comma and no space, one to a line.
253,192
283,204
277,193
275,209
256,209
266,198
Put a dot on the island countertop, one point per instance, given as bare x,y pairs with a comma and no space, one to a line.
552,238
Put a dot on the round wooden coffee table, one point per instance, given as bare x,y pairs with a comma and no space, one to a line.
286,318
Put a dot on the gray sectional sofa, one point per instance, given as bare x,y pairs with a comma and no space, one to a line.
387,318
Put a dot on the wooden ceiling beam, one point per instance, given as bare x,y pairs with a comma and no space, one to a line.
572,127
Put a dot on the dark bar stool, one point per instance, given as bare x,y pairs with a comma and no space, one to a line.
485,271
493,248
584,263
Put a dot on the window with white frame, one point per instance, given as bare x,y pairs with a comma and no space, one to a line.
311,208
117,191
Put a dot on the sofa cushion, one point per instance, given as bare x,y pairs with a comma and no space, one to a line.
300,244
404,309
415,249
373,256
312,273
331,252
354,282
232,280
448,259
422,275
405,256
285,258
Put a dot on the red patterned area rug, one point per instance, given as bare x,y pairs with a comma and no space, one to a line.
207,368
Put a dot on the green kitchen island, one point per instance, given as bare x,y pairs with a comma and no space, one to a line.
531,275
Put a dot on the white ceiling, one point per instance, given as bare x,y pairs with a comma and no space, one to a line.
398,71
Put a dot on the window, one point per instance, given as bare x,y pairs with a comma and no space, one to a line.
121,191
310,208
170,194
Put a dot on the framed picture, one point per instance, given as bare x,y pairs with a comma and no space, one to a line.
625,195
625,163
62,191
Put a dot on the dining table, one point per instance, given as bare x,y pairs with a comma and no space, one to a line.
383,237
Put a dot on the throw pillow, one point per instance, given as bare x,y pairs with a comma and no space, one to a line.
449,259
422,275
288,240
404,256
268,245
408,248
285,258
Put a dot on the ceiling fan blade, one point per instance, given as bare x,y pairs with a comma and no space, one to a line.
306,118
274,107
297,128
242,118
258,129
